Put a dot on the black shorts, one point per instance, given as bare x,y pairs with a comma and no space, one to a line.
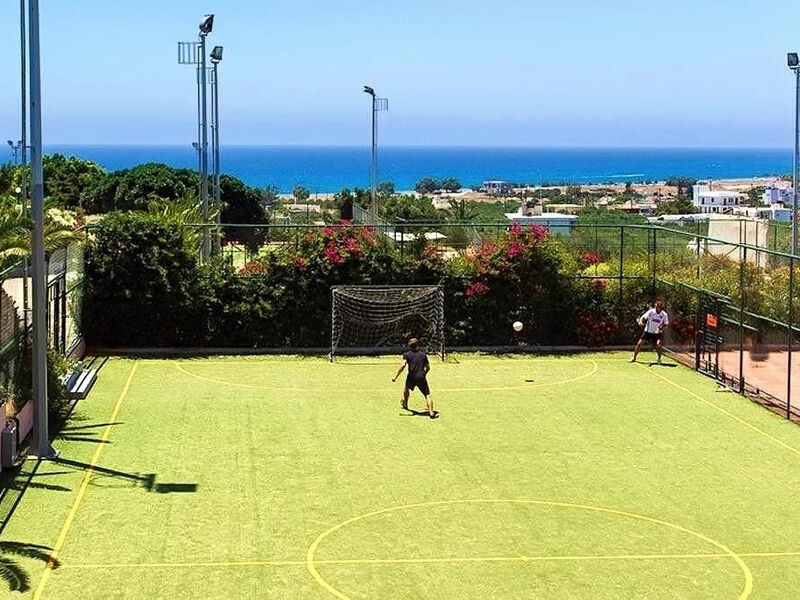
652,337
422,384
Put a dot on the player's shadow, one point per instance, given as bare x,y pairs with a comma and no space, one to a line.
662,364
414,413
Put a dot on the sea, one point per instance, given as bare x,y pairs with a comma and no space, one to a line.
326,169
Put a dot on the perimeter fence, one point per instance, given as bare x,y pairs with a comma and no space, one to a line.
65,277
731,298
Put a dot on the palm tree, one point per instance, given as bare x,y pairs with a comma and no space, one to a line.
16,230
187,213
11,572
462,211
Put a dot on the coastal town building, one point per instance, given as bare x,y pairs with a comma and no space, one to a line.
777,195
497,188
715,201
556,223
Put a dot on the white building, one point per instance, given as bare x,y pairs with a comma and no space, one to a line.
775,195
556,223
715,201
497,188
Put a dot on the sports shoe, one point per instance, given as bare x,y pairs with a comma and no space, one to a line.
633,359
659,360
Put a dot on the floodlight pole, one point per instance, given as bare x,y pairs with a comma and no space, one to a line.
378,104
374,162
215,147
41,440
204,142
796,157
23,84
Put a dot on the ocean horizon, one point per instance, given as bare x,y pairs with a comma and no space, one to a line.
326,169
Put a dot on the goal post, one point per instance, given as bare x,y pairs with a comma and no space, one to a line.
369,317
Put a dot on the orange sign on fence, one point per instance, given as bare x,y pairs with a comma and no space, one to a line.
711,320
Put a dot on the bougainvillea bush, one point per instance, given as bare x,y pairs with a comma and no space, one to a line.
144,288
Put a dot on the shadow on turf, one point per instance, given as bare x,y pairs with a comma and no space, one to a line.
663,364
415,413
146,481
11,572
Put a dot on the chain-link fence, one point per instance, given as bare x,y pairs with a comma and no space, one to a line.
731,297
64,292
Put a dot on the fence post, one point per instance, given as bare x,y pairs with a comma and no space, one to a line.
791,340
743,261
697,238
655,258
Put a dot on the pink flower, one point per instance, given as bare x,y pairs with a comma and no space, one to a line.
514,250
346,222
366,236
476,289
251,268
539,232
591,258
328,232
351,245
515,229
332,254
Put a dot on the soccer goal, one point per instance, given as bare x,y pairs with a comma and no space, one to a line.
365,317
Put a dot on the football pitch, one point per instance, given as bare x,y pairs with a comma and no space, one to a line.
575,476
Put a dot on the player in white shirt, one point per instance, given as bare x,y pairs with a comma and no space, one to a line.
654,321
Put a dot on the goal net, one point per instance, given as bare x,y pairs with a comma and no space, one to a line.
386,316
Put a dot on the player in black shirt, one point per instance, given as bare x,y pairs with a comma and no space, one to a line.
418,367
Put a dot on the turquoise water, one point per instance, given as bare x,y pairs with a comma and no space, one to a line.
331,168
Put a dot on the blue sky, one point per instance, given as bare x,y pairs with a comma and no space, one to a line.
508,72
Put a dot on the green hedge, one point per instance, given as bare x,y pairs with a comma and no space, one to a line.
144,288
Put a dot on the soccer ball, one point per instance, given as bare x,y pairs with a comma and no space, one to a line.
517,325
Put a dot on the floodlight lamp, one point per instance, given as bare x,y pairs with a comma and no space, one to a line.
10,143
369,90
207,24
216,54
792,60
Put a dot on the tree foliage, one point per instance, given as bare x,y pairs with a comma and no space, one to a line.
67,180
681,205
408,208
136,188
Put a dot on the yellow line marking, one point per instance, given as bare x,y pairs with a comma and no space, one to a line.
62,536
392,361
311,562
388,388
722,410
188,565
455,559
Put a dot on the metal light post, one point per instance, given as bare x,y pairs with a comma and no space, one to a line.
41,442
794,64
216,58
194,53
23,53
15,148
378,104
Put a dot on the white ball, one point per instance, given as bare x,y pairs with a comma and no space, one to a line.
517,325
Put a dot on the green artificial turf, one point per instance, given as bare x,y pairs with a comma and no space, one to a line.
283,477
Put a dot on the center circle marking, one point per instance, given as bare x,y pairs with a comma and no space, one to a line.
311,563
